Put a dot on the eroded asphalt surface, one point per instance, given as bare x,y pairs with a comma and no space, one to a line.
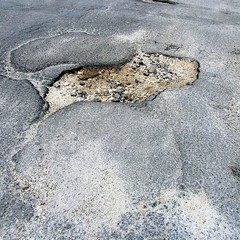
168,168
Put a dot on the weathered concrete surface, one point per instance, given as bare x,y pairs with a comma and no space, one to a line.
166,169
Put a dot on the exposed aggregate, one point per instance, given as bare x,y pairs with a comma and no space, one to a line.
136,81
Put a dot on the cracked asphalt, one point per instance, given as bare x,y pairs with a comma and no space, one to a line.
167,168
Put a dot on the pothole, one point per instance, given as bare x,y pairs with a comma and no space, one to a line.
145,75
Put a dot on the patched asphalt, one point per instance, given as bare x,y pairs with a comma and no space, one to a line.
167,168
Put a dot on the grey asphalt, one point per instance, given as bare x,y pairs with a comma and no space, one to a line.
165,169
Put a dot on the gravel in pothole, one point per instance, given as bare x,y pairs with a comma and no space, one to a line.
145,75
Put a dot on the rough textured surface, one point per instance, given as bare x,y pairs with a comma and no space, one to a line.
114,162
167,168
144,77
20,105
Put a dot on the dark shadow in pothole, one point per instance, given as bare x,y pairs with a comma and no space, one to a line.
165,1
161,1
139,80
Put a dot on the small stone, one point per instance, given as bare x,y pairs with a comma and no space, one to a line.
114,84
82,83
145,73
117,96
66,84
124,95
121,90
73,93
83,94
121,84
115,90
105,93
56,85
152,69
115,100
111,99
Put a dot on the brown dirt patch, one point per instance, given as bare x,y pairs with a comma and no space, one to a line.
136,81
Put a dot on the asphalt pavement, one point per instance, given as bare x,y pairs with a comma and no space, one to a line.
165,168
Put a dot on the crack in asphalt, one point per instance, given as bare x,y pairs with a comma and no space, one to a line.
161,1
166,1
